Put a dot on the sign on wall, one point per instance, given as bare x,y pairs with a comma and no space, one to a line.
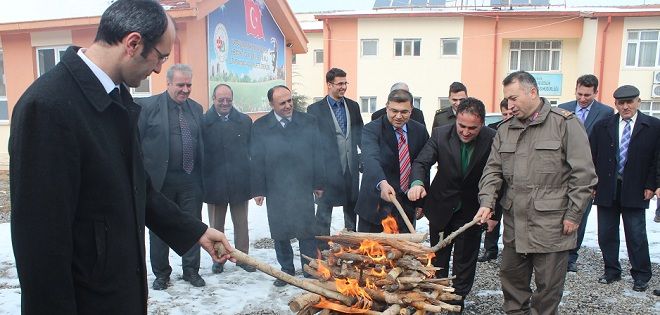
549,83
245,51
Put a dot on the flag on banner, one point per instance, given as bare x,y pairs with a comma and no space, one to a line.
253,19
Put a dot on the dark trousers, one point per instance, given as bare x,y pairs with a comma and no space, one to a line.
324,220
573,253
490,240
185,190
634,227
516,275
284,253
466,252
239,216
371,227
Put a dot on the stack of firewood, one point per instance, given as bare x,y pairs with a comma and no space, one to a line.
376,274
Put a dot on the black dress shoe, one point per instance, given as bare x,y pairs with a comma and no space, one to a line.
247,268
280,283
640,286
572,267
217,267
194,279
487,257
605,279
160,283
656,292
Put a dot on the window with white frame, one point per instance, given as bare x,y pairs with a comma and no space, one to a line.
4,109
368,104
144,90
643,48
48,57
417,102
443,102
407,47
651,108
318,56
449,46
534,55
369,47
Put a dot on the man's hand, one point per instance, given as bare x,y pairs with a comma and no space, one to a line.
208,240
417,192
318,193
483,215
648,194
259,200
569,227
419,213
386,191
491,224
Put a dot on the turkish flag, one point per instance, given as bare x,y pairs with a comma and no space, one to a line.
253,19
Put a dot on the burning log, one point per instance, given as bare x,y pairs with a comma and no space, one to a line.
403,214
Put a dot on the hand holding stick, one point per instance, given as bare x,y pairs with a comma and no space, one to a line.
396,203
446,241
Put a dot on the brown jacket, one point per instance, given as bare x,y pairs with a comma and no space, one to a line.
549,173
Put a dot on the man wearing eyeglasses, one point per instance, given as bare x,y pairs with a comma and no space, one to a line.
340,125
170,127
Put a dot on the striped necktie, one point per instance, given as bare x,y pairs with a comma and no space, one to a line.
623,147
404,161
186,143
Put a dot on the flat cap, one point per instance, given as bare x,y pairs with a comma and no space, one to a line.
626,92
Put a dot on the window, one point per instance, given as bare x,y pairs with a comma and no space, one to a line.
643,50
144,90
443,102
407,47
449,46
48,57
651,108
417,102
540,55
369,47
318,56
368,104
4,110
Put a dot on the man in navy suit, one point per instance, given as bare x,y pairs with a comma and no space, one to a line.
589,111
389,145
624,148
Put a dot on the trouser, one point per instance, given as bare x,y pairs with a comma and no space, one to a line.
185,190
371,227
490,240
284,254
466,251
239,216
324,220
573,253
516,275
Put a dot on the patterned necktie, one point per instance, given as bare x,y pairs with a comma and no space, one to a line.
225,118
285,122
338,109
404,161
623,146
186,143
582,114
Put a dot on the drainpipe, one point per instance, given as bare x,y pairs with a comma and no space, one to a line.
602,57
327,54
495,38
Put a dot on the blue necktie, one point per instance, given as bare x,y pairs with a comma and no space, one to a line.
186,143
338,109
582,114
623,147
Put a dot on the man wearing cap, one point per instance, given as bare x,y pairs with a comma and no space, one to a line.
624,150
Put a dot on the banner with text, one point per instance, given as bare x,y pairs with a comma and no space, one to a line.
549,83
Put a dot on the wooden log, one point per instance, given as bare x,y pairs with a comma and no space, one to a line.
300,302
403,214
443,307
300,283
332,306
394,273
410,237
435,286
394,309
446,241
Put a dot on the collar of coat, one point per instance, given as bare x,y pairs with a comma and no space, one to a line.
542,115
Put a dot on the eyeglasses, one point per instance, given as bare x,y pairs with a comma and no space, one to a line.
340,83
225,100
161,58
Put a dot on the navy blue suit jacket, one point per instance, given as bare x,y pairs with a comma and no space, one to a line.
598,111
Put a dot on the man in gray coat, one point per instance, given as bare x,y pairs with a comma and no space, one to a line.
542,154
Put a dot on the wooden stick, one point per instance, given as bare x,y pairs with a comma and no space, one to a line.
396,203
444,242
300,283
415,238
301,301
392,310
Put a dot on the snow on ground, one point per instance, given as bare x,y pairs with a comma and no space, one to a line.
238,292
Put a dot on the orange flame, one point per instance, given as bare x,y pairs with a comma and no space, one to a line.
372,249
389,225
380,274
350,287
322,270
429,256
325,304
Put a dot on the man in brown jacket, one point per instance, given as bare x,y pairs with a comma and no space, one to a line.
543,156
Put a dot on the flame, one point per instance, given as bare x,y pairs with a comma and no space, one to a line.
372,249
380,274
350,287
325,304
429,256
322,270
370,285
389,225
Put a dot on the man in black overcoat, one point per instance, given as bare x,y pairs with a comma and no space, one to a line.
288,172
80,196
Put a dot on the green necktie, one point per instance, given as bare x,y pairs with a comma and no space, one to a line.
466,155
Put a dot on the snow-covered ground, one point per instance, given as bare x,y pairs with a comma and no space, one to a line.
236,291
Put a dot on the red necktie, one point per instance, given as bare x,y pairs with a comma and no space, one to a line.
404,161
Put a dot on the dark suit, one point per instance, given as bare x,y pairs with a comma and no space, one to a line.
416,115
443,117
380,156
342,182
452,199
624,197
597,112
80,198
286,168
227,171
186,190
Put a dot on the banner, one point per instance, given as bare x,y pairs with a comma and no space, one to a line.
246,52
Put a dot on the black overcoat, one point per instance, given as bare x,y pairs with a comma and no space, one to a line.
81,198
226,157
286,169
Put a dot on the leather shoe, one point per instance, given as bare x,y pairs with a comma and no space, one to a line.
572,267
217,267
640,286
247,268
605,279
160,283
194,279
656,292
487,257
280,283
